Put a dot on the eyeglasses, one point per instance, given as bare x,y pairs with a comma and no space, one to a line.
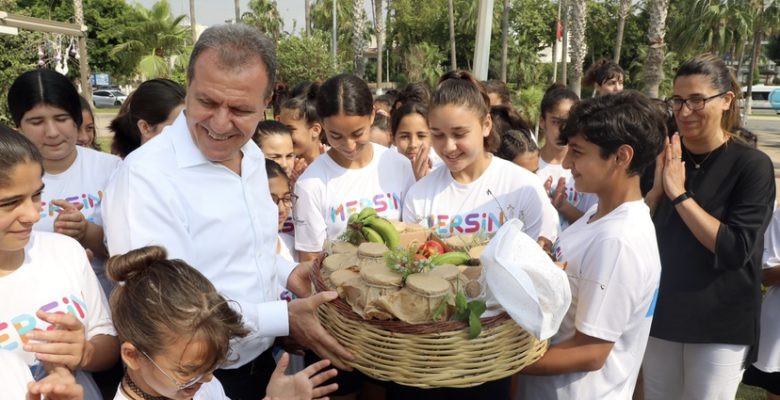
288,200
179,385
693,103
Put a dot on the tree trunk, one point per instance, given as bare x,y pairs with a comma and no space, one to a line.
306,16
625,6
86,87
334,36
654,71
565,42
358,45
379,27
757,37
558,29
193,30
504,39
578,47
451,13
237,8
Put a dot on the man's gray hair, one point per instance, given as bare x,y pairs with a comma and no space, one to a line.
237,46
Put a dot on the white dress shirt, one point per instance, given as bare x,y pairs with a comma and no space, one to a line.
167,193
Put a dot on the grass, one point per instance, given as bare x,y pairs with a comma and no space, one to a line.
750,393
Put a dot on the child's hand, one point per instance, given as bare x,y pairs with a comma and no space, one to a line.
421,164
64,345
58,385
304,385
70,220
557,195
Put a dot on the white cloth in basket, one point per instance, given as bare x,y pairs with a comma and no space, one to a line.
524,281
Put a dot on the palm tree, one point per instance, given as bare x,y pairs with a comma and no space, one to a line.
237,8
711,24
624,7
504,39
358,41
379,28
656,31
451,12
306,16
577,21
193,30
154,41
264,15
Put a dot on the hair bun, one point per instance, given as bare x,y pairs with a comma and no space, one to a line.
460,74
128,266
312,90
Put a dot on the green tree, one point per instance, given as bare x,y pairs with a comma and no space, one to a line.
422,64
154,41
303,58
264,15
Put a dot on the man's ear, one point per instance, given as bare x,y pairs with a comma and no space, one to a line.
130,355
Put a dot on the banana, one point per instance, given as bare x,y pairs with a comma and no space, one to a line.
382,226
352,219
365,213
372,235
453,257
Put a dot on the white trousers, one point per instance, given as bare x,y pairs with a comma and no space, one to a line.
692,371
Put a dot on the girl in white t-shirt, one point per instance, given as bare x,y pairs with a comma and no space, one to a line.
765,372
474,191
558,181
299,115
53,310
412,138
354,174
172,340
47,109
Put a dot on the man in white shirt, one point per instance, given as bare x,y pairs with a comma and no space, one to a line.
200,190
613,264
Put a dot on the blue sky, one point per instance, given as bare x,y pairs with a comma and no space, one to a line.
212,12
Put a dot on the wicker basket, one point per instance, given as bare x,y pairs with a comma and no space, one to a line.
430,355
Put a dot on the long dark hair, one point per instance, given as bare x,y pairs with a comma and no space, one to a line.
43,86
344,94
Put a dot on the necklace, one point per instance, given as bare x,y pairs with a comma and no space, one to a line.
129,384
698,165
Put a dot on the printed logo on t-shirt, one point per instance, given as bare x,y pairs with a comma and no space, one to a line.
446,225
288,226
23,324
87,200
556,250
651,310
381,202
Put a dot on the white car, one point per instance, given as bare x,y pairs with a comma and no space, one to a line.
108,98
764,98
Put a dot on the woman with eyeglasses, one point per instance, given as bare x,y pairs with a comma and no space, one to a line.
175,330
713,198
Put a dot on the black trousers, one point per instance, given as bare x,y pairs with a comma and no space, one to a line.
249,381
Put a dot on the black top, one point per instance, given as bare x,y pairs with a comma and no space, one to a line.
706,297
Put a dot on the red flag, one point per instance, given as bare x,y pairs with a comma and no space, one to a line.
558,30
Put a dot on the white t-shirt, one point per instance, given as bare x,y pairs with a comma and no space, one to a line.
580,200
14,376
55,277
504,191
328,194
84,182
769,341
211,390
614,271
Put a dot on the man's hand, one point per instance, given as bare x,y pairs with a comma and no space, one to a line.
66,344
304,385
58,385
305,327
299,281
70,221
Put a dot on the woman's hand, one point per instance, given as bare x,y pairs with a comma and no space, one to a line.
66,344
674,169
304,385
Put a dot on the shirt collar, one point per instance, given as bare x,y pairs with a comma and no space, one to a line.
188,154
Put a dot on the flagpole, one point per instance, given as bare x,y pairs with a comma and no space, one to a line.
555,44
